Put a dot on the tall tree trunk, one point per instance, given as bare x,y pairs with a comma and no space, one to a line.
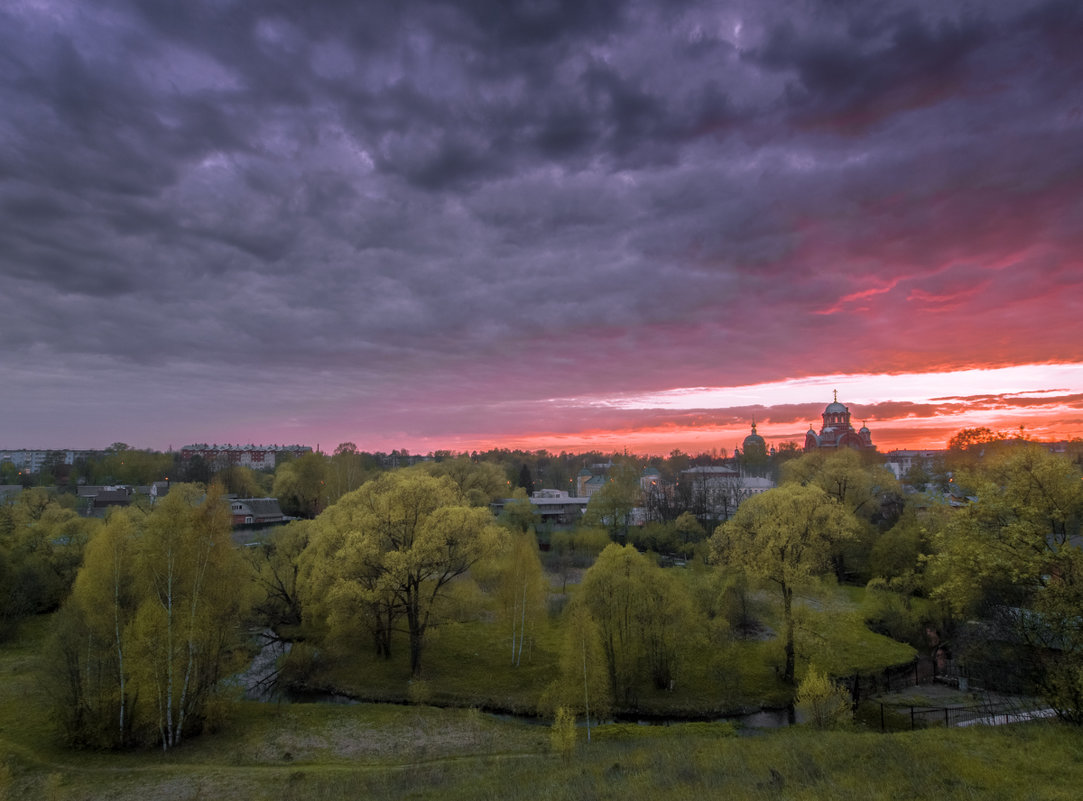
417,633
192,665
522,627
787,612
415,654
120,647
586,690
514,624
167,741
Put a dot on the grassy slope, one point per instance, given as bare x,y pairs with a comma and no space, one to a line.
468,664
319,751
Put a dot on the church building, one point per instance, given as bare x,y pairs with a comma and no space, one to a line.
837,432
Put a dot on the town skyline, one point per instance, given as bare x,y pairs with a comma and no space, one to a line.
455,226
920,434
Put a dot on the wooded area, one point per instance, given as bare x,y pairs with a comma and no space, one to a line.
154,607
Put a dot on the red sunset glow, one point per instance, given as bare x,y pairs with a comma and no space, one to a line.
930,410
635,229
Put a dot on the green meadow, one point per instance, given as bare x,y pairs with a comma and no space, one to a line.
417,751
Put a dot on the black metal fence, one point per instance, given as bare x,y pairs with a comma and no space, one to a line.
890,716
902,677
988,707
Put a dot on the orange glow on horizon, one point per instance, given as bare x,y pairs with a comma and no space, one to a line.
887,435
903,411
1054,422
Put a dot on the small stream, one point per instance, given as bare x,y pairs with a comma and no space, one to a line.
260,681
747,722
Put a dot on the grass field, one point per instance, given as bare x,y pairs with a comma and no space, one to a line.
382,751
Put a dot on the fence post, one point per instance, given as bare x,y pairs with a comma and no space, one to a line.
883,728
946,724
911,718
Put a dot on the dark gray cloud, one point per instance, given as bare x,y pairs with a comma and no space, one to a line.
521,200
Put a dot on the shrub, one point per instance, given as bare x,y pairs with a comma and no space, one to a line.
825,705
562,733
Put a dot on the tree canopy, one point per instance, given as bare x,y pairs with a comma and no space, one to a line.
643,615
387,551
301,484
152,624
1014,556
611,506
785,536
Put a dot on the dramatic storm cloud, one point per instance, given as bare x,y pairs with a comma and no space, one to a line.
456,224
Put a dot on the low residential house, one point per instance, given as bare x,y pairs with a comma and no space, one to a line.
650,479
901,461
158,490
255,512
715,491
588,483
107,497
553,505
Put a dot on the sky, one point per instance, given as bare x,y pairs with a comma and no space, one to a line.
545,224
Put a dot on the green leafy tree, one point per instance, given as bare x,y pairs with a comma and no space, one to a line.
196,470
187,624
522,590
611,506
918,476
974,439
611,591
643,615
1005,546
9,473
825,705
275,570
787,450
515,579
785,536
583,685
689,529
866,488
576,549
562,733
346,472
665,624
94,698
1013,556
676,462
244,482
730,603
30,505
655,537
899,553
846,476
152,627
301,484
124,465
392,547
526,480
478,483
41,548
519,514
